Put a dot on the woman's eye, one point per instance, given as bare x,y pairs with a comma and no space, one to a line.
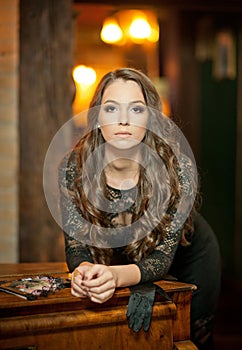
138,109
110,108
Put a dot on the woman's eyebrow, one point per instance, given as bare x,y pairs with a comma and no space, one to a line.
129,103
137,101
110,101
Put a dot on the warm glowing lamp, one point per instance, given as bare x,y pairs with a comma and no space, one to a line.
85,76
111,31
139,28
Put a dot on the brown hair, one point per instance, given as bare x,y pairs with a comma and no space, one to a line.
148,176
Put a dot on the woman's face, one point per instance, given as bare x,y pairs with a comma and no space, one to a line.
123,115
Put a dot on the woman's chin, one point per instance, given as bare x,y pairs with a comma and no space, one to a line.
123,143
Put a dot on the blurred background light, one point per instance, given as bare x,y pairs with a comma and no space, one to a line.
84,75
111,31
140,29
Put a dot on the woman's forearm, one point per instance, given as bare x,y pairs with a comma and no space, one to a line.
126,275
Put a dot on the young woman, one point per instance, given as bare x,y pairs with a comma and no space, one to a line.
128,200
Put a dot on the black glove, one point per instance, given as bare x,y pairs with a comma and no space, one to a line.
141,300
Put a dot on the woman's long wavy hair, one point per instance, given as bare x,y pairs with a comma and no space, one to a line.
95,182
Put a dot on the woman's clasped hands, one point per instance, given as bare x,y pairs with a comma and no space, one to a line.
95,281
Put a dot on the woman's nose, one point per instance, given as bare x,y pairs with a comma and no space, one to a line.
123,117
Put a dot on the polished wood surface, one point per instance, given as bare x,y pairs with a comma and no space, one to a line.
60,320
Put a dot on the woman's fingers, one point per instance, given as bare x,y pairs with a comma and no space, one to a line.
77,289
94,271
97,276
101,297
77,294
99,282
82,269
101,289
98,294
94,281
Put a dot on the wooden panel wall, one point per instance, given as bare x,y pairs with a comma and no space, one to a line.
9,61
45,104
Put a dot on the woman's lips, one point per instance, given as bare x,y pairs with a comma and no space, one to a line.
123,133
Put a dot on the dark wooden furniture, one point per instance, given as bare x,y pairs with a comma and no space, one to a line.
61,321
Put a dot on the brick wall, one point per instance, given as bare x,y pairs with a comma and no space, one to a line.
9,29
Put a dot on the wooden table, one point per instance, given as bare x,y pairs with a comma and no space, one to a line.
61,321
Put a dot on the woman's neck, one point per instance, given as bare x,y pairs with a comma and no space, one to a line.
122,170
121,174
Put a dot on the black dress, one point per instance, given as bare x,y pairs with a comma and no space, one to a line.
198,263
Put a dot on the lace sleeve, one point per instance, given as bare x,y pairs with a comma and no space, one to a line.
157,264
75,251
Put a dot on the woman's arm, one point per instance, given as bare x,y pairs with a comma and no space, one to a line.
99,282
75,253
157,264
126,275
